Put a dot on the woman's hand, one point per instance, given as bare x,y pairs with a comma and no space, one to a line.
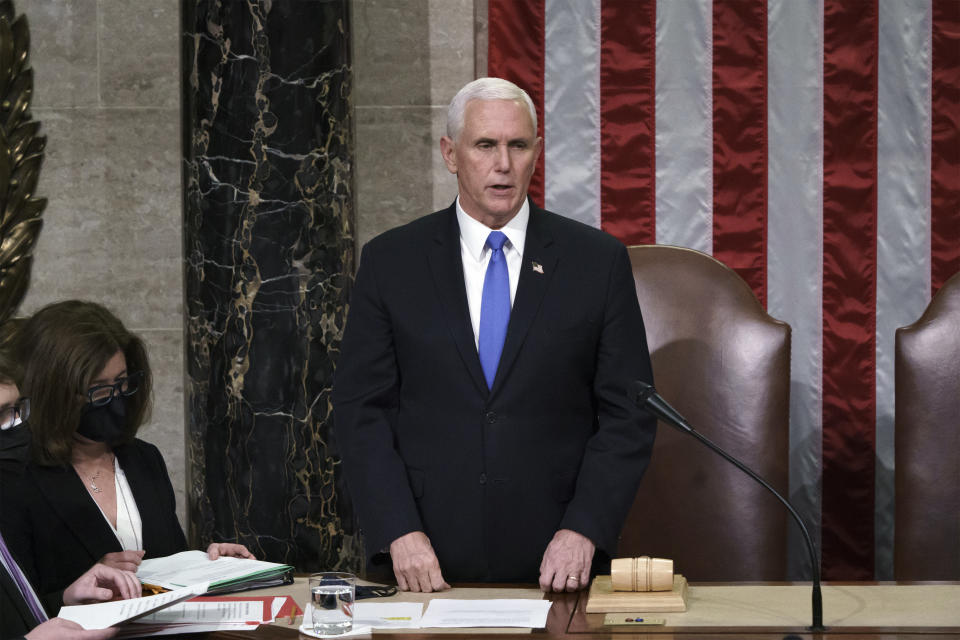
123,560
217,549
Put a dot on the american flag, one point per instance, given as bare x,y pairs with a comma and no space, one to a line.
811,145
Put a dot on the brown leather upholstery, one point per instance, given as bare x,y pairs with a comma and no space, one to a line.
927,369
724,363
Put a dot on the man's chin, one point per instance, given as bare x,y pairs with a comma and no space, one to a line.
505,206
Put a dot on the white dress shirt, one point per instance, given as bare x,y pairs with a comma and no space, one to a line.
476,255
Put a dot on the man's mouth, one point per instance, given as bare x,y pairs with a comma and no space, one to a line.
501,187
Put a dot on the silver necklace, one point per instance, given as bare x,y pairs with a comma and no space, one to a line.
93,482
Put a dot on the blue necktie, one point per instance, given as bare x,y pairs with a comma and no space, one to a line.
494,308
29,595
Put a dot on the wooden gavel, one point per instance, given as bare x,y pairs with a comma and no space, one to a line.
641,574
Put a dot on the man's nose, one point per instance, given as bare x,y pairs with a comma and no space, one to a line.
503,158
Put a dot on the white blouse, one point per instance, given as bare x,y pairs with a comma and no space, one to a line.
129,529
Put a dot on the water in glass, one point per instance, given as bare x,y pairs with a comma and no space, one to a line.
332,607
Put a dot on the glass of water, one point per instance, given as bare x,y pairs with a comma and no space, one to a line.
331,598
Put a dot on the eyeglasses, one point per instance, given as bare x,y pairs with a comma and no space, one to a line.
101,394
10,413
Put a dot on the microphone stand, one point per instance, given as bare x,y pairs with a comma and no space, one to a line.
648,399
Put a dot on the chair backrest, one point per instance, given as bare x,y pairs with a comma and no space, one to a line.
927,441
724,363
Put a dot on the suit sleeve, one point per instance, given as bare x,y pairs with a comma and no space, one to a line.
175,540
618,453
16,496
365,403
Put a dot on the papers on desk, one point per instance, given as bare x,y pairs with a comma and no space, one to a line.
387,615
171,612
108,614
224,574
443,612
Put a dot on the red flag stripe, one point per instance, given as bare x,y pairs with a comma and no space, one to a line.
945,160
740,140
627,112
516,50
849,286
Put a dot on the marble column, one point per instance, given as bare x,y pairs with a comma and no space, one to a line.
269,258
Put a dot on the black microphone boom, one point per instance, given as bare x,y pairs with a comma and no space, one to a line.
648,399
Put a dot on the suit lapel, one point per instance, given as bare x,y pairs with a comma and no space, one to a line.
446,264
68,497
17,601
537,268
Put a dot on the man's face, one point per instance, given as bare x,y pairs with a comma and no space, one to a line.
494,157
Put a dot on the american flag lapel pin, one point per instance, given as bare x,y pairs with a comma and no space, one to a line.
537,267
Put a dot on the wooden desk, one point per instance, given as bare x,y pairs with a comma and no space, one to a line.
568,620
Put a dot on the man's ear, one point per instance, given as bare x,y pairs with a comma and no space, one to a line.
449,152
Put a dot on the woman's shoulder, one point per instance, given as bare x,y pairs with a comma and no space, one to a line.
138,450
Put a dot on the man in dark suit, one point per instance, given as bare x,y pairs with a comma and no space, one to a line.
481,398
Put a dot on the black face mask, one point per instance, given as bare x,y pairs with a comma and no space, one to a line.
107,423
15,443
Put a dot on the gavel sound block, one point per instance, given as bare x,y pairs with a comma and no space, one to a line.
638,585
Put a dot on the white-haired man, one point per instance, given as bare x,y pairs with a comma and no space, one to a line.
481,398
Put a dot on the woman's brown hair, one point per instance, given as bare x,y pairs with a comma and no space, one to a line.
10,371
63,347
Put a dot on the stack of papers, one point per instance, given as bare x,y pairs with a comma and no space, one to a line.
442,612
224,574
172,612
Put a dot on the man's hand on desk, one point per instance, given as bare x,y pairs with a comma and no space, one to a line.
566,562
123,560
415,564
217,549
101,583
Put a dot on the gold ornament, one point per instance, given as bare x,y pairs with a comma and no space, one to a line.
21,155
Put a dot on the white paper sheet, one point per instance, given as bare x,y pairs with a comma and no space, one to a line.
108,614
486,613
240,611
388,615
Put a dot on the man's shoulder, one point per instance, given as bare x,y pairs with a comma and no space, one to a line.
569,231
413,233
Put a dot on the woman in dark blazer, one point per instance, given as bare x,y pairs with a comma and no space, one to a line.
92,492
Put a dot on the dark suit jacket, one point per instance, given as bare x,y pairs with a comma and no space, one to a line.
56,531
491,475
15,617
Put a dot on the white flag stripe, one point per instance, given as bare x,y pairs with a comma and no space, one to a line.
572,109
903,219
684,117
795,240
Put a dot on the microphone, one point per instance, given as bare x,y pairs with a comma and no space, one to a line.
647,398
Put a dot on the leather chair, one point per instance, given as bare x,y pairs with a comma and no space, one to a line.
927,441
724,363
